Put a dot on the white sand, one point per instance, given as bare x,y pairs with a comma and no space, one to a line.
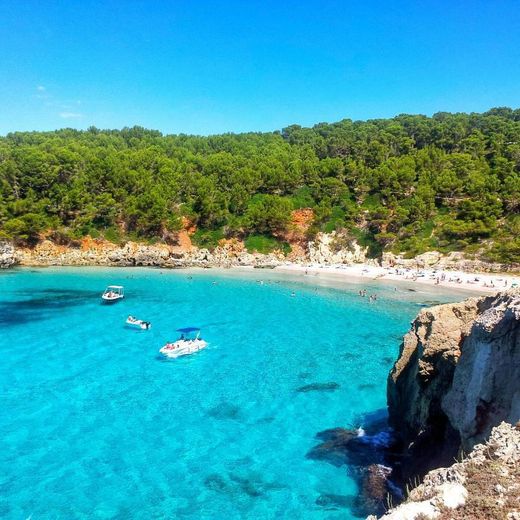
476,282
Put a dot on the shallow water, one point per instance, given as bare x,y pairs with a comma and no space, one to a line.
94,424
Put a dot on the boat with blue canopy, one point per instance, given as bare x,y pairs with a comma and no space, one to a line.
189,342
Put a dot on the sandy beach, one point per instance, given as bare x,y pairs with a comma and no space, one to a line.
479,283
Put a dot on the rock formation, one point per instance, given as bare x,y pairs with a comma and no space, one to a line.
8,256
484,486
457,377
335,248
452,261
102,253
326,249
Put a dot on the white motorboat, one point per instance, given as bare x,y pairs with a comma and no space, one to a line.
137,323
113,293
189,342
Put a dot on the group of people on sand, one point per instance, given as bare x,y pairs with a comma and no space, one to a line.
441,277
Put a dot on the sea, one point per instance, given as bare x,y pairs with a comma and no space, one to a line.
96,424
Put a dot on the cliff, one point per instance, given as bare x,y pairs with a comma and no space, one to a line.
457,377
325,249
103,253
483,486
7,255
455,260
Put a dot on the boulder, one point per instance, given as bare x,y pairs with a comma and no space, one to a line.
335,248
8,256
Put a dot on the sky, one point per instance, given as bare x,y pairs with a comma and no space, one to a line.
208,67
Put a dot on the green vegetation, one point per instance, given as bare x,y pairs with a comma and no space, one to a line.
407,184
207,238
266,244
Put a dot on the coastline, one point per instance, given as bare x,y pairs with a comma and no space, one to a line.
466,281
430,269
346,277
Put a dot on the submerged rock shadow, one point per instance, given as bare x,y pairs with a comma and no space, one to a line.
250,485
44,303
368,454
226,411
329,386
333,502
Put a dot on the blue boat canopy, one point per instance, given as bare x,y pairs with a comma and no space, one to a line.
188,329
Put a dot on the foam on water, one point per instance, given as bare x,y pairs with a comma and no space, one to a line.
94,424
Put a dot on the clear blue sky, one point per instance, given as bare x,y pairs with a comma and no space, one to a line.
207,67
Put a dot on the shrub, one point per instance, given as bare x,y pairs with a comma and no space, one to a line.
266,244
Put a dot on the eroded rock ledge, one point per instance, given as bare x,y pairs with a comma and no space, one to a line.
485,485
8,256
102,253
457,377
326,249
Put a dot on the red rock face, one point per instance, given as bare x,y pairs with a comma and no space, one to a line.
301,219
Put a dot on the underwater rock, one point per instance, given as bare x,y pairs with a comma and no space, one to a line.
375,488
248,486
216,483
265,420
334,502
319,387
353,447
335,447
367,458
251,485
225,411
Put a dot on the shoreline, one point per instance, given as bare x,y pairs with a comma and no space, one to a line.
429,269
465,282
477,283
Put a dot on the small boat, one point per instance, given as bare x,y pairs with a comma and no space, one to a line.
189,342
140,324
113,293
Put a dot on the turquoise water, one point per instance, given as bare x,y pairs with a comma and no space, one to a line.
94,424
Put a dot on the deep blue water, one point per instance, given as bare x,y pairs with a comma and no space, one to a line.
94,424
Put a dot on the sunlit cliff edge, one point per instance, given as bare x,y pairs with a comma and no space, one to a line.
454,394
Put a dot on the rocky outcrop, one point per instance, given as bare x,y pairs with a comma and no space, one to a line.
327,249
452,261
8,256
335,248
102,253
485,485
457,376
486,382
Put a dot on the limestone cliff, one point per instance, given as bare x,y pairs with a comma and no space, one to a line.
483,486
336,248
455,260
8,256
103,253
457,376
326,249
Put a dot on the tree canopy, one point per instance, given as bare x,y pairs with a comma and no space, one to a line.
407,184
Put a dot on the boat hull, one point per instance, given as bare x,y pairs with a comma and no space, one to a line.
142,325
182,348
111,300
